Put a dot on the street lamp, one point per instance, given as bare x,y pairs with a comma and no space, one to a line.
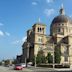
53,56
35,57
27,56
35,61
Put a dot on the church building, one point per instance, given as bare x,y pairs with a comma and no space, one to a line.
60,37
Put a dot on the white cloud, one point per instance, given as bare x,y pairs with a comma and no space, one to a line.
24,39
49,12
19,41
1,33
8,34
16,42
49,1
1,24
34,3
4,33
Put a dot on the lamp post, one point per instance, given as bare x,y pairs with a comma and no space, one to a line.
27,56
35,57
53,56
35,61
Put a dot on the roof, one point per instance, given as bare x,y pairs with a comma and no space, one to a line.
61,19
39,24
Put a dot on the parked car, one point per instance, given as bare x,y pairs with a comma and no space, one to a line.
23,65
29,64
18,67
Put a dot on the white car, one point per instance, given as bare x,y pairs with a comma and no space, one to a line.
23,65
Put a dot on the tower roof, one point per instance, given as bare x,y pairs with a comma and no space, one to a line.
62,18
62,12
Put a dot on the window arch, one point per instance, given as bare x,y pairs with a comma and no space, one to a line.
58,30
38,29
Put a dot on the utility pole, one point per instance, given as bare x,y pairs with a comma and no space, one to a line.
27,56
26,61
35,61
53,56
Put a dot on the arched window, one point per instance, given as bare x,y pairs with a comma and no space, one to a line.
38,29
58,30
40,39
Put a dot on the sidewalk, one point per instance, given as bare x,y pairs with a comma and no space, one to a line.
41,69
63,69
33,69
27,70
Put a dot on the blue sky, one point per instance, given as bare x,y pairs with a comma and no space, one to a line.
17,16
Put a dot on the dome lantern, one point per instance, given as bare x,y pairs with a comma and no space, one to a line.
62,12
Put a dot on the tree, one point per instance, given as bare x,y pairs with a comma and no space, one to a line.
7,62
14,61
49,58
40,58
0,63
57,55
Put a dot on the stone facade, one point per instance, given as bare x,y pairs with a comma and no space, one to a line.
36,39
60,37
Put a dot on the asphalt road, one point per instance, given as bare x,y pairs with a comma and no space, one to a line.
32,69
7,69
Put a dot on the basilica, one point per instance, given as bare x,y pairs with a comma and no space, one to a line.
60,37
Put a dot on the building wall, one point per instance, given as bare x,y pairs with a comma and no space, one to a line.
70,47
39,41
40,37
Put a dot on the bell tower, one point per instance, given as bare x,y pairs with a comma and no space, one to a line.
39,28
39,31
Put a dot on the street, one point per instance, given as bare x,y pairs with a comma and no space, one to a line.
7,69
32,69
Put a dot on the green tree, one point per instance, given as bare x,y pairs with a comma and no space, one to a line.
33,60
14,61
7,62
57,55
49,58
0,63
40,57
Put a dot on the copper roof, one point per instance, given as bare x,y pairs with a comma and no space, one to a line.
61,19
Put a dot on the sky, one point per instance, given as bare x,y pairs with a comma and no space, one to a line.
17,16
